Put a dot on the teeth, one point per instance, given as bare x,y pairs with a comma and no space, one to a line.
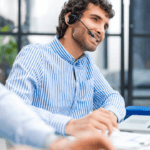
94,39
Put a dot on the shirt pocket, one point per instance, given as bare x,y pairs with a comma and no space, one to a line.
85,94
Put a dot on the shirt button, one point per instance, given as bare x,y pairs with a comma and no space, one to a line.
77,84
71,59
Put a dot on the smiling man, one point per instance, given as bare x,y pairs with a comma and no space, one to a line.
60,80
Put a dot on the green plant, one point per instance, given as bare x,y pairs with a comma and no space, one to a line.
8,51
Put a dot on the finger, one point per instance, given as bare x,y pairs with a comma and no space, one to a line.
114,120
116,124
109,115
114,116
103,118
99,126
107,122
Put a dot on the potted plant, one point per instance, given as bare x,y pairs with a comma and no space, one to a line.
8,52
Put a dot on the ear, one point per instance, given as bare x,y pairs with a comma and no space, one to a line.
66,18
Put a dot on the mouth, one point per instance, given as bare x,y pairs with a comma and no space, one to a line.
95,39
96,42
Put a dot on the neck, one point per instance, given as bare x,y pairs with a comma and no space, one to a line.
71,45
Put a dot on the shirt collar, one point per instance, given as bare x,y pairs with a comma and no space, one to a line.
60,50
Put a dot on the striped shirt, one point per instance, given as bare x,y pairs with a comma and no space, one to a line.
58,88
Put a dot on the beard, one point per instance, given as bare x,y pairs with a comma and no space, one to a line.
83,38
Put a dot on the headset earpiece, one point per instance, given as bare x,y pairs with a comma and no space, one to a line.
72,19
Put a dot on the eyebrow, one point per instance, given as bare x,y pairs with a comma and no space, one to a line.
100,18
96,16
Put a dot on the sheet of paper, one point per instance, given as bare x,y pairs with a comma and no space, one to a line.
127,140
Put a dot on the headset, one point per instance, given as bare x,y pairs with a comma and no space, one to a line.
73,18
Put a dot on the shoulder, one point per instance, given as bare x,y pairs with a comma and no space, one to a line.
34,50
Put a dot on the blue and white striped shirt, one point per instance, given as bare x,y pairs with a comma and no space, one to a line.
43,76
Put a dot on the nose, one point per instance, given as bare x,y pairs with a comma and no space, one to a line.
101,30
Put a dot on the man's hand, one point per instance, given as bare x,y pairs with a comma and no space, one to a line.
99,119
115,117
87,141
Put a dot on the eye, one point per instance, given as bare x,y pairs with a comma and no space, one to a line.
105,27
95,19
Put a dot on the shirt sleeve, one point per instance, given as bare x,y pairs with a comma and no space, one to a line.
19,124
25,79
106,97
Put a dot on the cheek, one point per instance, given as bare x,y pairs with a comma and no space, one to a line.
77,31
103,37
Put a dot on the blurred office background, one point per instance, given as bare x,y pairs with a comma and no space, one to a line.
123,57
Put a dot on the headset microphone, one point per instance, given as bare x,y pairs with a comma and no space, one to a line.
72,19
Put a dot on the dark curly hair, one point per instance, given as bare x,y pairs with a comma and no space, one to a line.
77,7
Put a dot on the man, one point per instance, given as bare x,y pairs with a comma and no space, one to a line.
22,126
60,80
